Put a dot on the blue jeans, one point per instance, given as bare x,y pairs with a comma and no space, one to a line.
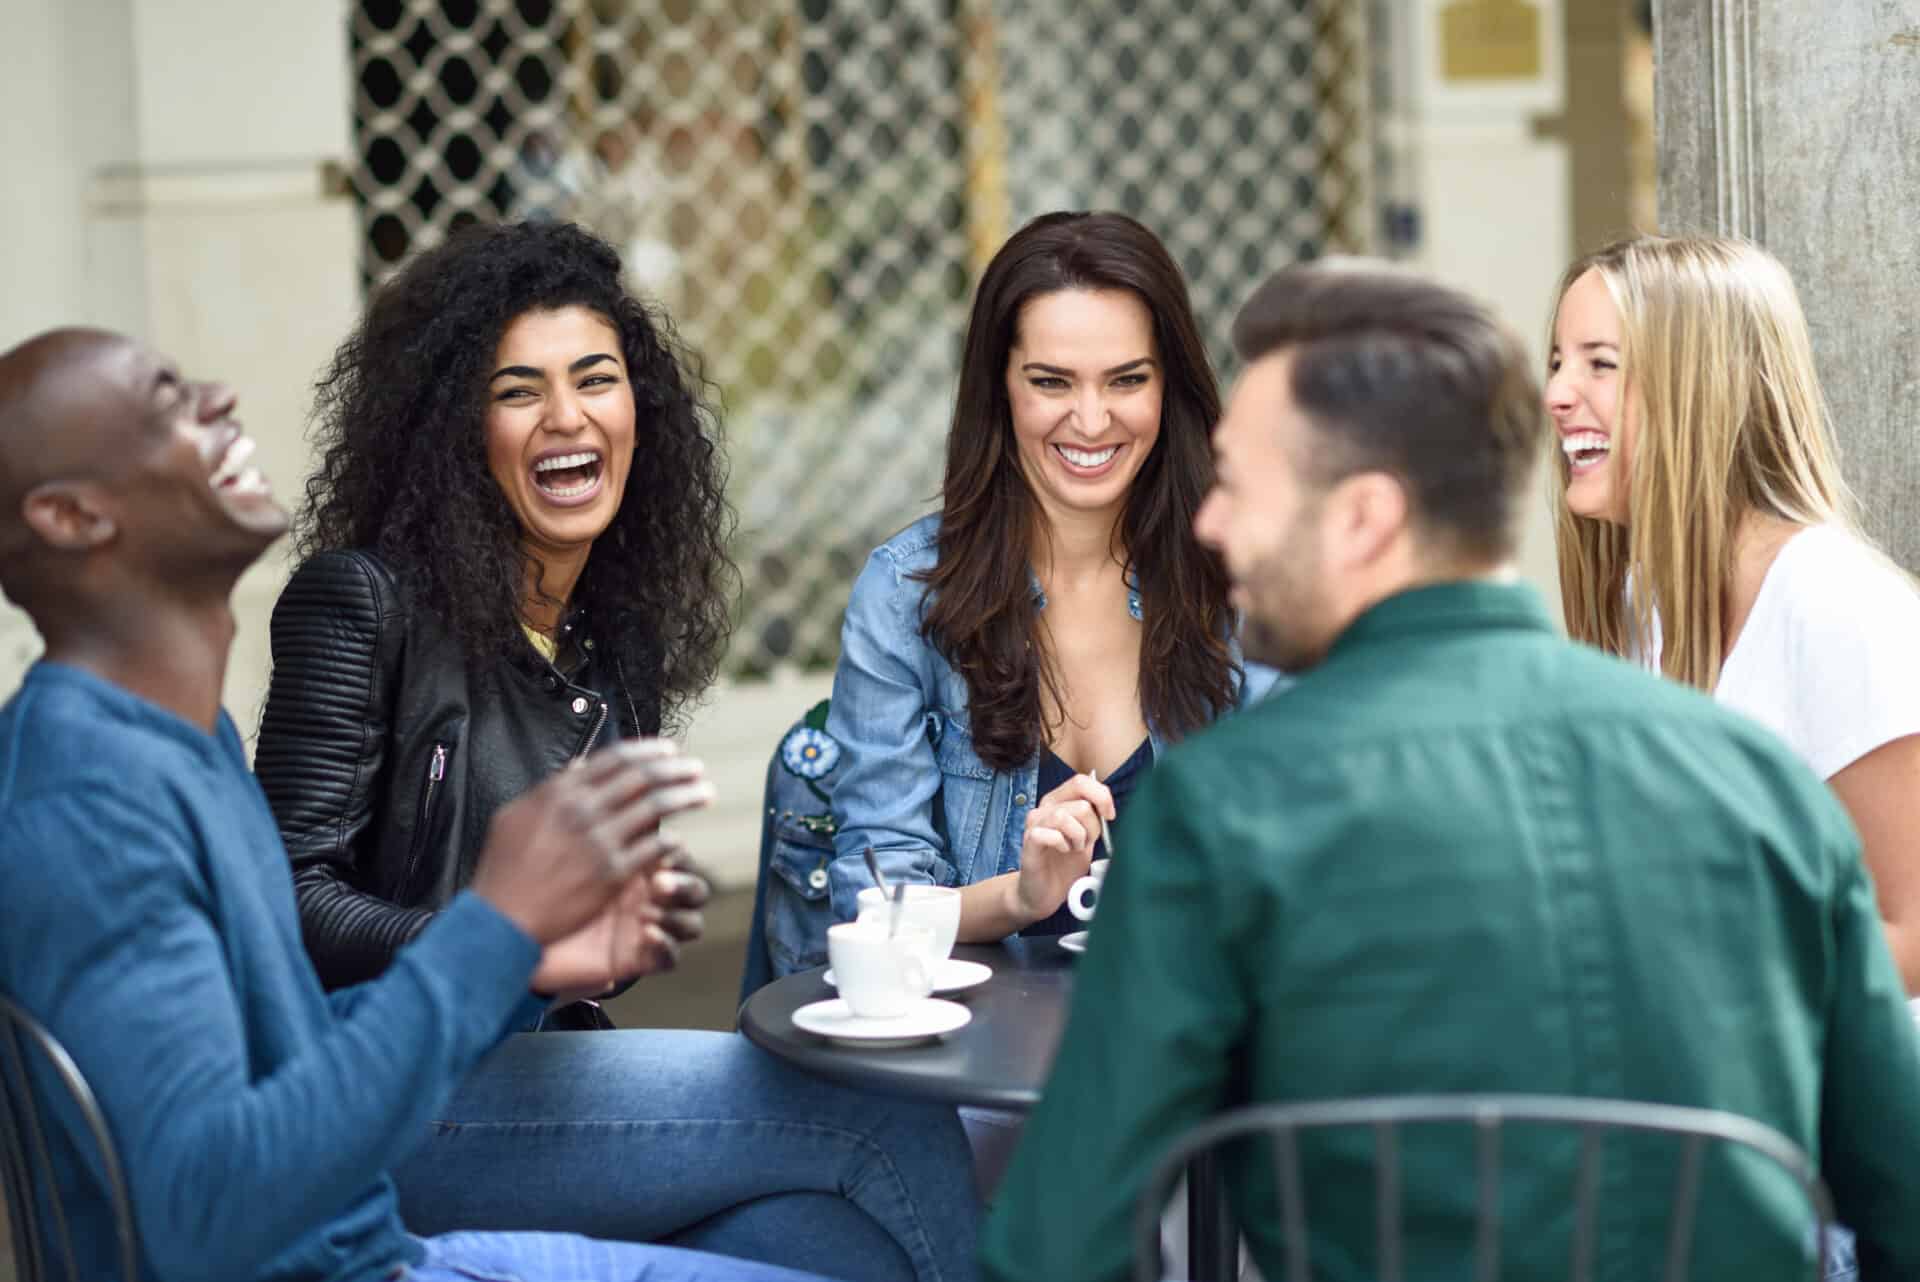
559,1257
697,1140
1841,1266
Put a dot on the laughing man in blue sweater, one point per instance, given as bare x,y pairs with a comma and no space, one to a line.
146,914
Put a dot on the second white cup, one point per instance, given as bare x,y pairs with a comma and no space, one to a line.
937,908
1084,895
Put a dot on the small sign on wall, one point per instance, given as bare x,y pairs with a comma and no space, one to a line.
1487,60
1482,40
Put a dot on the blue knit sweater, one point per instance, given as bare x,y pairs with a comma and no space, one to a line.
147,917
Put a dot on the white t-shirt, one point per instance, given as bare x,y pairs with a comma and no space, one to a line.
1829,658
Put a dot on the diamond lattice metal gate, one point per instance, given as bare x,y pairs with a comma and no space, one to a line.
811,187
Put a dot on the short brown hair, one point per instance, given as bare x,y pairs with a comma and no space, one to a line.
1403,375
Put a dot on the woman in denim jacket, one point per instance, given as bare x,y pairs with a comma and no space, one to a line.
1011,665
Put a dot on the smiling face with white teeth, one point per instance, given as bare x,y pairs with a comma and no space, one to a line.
239,486
195,451
1587,398
1084,385
128,472
559,428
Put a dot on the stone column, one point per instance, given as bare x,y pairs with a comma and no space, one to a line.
1795,124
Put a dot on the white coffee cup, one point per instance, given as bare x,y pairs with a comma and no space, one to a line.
935,907
880,976
1084,895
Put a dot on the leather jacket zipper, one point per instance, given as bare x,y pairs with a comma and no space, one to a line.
620,676
436,771
598,722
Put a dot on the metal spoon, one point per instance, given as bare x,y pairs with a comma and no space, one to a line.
899,901
1106,825
898,894
873,868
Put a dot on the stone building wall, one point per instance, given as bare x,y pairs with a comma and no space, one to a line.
1796,124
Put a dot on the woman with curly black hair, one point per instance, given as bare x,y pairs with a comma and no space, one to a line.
515,553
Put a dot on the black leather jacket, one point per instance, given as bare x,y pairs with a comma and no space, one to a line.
384,752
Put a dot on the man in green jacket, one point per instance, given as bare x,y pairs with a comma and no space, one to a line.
1460,854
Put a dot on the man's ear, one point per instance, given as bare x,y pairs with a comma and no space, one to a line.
68,515
1367,516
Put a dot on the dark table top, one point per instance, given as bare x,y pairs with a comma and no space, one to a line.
999,1059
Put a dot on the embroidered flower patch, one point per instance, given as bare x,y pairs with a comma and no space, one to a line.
809,753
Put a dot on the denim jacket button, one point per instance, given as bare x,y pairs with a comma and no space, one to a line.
1019,798
817,879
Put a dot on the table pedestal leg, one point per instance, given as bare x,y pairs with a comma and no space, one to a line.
1212,1251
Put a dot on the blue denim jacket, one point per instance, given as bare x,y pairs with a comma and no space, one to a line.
892,765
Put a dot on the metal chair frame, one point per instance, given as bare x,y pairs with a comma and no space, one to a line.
25,1160
1593,1118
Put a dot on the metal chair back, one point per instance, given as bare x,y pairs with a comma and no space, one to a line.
42,1232
1487,1115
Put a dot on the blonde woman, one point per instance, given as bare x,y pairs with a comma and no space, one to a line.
1705,531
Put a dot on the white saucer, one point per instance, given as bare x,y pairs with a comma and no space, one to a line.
1074,943
950,976
927,1018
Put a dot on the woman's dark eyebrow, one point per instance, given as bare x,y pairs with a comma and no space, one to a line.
528,371
1038,368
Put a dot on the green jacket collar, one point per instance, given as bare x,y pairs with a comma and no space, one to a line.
1469,605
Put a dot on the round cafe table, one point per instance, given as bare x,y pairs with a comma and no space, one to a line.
999,1059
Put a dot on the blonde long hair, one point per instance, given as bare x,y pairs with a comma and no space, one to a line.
1729,419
